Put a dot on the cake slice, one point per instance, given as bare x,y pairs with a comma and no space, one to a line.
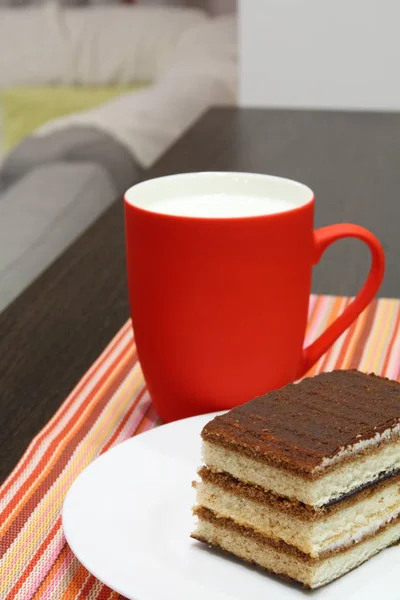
305,481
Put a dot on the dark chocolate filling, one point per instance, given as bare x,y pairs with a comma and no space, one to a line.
381,477
303,511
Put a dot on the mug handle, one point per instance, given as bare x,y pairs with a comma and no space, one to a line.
323,238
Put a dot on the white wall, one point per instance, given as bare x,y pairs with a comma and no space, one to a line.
320,53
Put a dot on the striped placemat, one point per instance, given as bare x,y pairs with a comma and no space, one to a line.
109,405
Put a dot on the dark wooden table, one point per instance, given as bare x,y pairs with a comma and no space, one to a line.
55,330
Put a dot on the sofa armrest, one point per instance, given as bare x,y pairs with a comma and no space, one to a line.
42,214
72,144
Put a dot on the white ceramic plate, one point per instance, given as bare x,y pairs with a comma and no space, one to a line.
128,519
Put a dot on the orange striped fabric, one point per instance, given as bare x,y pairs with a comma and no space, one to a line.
109,405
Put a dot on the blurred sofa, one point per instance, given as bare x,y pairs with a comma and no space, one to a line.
59,179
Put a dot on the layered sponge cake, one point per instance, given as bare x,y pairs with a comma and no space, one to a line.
305,481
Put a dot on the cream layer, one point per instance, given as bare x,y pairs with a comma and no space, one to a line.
341,528
342,480
312,574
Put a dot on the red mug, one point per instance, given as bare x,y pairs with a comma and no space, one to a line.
219,276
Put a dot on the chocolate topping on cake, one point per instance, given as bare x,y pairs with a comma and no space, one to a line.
302,424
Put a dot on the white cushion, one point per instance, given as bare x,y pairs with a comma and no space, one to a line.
201,73
103,45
